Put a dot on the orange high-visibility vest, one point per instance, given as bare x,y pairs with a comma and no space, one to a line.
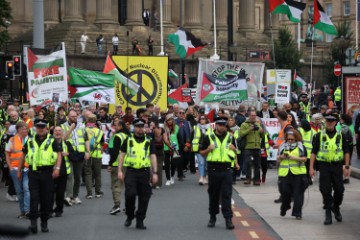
281,136
16,152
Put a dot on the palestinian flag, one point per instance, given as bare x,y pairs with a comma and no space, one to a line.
45,58
185,43
299,82
215,89
172,73
291,8
176,97
91,86
110,68
321,21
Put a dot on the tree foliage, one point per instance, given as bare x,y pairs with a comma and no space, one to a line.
286,52
5,17
337,50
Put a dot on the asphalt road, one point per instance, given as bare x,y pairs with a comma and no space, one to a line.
176,212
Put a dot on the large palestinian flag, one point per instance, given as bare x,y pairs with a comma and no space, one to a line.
291,8
46,72
176,97
120,78
185,43
215,89
91,86
321,21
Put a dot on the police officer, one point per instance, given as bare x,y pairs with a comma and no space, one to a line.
138,156
44,159
219,149
330,150
337,95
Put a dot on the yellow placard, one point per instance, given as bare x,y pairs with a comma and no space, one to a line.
151,73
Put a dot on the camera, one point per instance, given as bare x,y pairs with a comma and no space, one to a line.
255,127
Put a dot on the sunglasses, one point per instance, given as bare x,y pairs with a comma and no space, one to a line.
330,120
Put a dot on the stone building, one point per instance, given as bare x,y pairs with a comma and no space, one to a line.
66,20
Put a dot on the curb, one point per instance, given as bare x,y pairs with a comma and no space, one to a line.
355,173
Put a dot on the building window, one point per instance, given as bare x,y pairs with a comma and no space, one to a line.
329,9
329,38
347,8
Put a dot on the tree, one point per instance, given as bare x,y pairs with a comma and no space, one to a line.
337,50
5,17
286,52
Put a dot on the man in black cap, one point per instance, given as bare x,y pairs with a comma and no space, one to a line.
305,106
330,151
138,156
44,159
219,150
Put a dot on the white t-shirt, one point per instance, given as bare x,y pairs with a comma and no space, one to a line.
115,40
84,38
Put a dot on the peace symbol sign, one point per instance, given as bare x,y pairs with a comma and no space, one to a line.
140,76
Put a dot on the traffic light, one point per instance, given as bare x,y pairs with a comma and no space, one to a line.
17,65
10,70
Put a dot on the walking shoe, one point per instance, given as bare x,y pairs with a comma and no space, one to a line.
247,181
201,181
172,181
242,176
89,196
128,222
10,198
328,217
279,200
212,222
21,216
33,226
181,179
205,180
257,183
263,178
44,227
140,224
168,183
68,202
58,214
115,210
229,224
346,181
77,200
337,214
99,194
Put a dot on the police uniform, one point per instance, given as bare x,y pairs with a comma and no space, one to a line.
337,95
43,157
219,166
137,161
330,149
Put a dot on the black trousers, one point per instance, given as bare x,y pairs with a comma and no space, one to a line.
331,179
264,165
170,165
188,159
292,186
59,193
137,184
220,184
41,188
256,154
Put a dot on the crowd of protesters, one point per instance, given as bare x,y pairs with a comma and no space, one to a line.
178,135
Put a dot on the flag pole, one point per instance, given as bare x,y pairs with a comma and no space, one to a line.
272,40
161,30
215,56
356,25
312,59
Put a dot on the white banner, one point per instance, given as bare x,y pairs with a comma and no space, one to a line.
273,127
276,76
47,76
282,93
227,70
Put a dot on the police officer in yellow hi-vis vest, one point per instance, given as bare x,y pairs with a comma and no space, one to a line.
138,156
65,170
337,96
44,159
292,173
331,152
114,149
307,134
220,152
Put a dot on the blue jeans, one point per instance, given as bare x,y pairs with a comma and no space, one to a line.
22,190
201,164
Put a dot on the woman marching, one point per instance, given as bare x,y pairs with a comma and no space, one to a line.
292,173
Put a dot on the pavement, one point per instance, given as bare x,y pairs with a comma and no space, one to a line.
181,212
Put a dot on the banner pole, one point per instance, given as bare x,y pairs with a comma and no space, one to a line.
312,59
